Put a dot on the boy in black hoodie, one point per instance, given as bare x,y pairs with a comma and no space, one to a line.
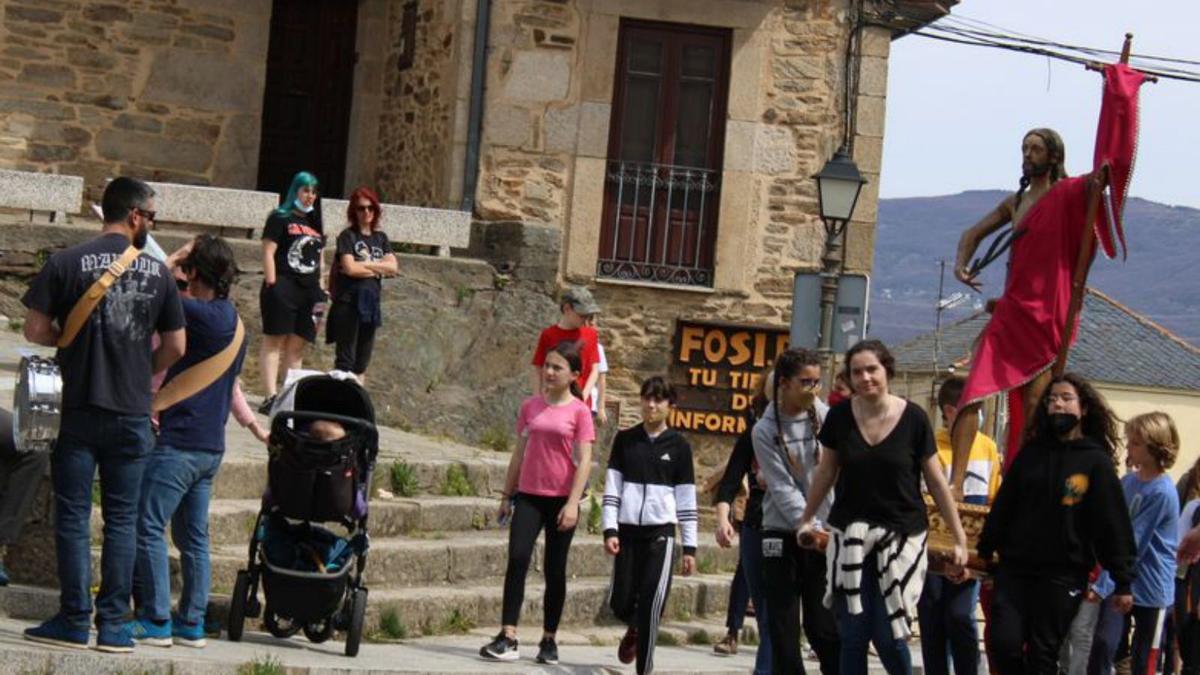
1059,509
649,488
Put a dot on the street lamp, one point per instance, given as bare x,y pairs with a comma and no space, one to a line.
838,185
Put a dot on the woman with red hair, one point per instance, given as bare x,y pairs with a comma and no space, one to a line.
364,256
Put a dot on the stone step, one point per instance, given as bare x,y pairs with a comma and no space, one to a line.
449,609
465,558
427,611
246,478
231,520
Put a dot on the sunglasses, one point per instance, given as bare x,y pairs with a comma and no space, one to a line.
148,215
181,284
364,208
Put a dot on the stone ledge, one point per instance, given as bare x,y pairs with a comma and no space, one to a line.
223,207
701,290
409,224
40,191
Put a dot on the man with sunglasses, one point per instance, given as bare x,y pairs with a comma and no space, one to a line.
106,371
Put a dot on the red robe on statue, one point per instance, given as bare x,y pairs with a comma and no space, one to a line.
1028,325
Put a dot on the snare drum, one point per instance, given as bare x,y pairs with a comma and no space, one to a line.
37,404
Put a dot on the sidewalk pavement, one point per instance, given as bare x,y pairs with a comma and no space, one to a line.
261,654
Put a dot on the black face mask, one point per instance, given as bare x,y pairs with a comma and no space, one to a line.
1061,423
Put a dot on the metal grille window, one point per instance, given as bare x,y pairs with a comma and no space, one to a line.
662,185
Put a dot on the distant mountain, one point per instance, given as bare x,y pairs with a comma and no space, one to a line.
1159,280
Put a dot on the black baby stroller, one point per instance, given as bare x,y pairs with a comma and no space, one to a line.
312,578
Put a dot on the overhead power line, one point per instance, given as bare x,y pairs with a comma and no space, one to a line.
964,30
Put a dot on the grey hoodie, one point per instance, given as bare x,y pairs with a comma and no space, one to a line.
788,477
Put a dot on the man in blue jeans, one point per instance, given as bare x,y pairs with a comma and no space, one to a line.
191,441
106,372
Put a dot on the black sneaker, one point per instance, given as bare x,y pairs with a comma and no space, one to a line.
503,648
265,407
548,652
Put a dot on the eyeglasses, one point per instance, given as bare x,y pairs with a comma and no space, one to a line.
147,214
809,383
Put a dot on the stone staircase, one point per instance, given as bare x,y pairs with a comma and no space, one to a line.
436,563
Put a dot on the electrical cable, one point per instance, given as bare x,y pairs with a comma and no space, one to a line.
998,42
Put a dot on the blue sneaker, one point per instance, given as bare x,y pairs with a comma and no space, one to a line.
3,574
188,634
153,633
57,631
114,638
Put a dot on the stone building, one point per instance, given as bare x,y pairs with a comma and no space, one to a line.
667,146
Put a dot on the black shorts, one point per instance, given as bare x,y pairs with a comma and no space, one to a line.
287,308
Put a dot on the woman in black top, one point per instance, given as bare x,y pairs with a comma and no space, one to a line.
1059,510
877,447
364,257
291,298
747,580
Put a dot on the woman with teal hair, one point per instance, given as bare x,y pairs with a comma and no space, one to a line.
292,295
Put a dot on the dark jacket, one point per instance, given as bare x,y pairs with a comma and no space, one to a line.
742,465
1059,510
650,486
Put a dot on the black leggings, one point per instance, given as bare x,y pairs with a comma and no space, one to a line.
531,514
355,339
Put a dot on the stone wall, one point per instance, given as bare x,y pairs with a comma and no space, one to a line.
547,117
168,90
452,358
532,111
417,120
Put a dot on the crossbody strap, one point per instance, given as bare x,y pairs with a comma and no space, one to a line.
200,375
87,303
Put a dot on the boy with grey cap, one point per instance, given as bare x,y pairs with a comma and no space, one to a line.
577,306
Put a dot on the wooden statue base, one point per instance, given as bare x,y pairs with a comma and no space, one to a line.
941,540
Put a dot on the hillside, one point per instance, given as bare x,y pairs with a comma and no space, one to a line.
1158,280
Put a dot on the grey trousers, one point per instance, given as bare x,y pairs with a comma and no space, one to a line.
20,477
1073,660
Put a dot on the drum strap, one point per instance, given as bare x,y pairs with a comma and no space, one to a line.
197,377
85,305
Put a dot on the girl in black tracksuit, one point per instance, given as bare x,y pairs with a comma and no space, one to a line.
1059,509
650,488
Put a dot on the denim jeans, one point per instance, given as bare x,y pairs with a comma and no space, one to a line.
176,489
118,445
750,552
947,617
871,625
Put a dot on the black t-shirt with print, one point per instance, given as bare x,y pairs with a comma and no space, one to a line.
299,240
371,248
879,484
108,365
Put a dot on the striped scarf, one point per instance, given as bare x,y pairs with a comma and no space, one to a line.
900,562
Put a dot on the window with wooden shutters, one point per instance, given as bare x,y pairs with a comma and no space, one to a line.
662,183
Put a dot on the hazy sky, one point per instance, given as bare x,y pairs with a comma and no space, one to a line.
956,114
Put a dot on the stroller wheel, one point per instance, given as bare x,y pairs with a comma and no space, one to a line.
319,632
358,614
237,605
280,628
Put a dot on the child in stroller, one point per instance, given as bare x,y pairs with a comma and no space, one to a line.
322,453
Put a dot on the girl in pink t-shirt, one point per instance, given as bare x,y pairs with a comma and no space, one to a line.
546,477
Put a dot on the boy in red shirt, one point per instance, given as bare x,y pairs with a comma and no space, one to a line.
577,306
